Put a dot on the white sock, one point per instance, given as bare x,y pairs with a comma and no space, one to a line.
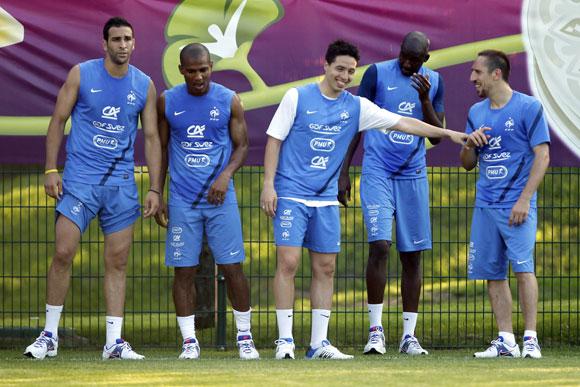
284,320
409,323
243,322
320,320
53,313
114,325
528,333
187,326
508,338
375,315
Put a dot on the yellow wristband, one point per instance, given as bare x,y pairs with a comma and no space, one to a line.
48,171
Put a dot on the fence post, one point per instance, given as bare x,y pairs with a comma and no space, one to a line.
221,312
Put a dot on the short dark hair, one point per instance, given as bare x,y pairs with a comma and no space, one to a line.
341,47
194,51
496,59
116,22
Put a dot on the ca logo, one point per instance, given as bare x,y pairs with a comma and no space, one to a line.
195,131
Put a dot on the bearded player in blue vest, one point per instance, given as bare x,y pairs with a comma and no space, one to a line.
105,97
513,158
204,139
394,183
307,141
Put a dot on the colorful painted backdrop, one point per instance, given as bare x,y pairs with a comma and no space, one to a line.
260,48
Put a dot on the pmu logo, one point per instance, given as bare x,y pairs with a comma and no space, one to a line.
195,131
197,161
110,112
494,143
131,98
322,144
401,138
214,114
496,172
319,162
509,125
176,230
105,142
406,108
325,129
197,145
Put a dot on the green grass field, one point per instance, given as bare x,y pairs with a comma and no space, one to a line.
443,368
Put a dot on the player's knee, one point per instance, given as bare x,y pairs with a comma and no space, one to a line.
117,265
63,255
323,269
184,275
117,257
411,262
232,270
287,265
379,251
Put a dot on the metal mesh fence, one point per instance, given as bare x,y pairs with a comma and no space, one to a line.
454,312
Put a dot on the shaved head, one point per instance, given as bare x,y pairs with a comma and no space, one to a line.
415,42
414,52
195,51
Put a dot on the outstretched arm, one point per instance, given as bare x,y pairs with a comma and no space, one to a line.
373,117
420,128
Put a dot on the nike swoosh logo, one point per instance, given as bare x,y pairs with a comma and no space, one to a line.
110,322
311,111
235,252
417,242
389,88
520,262
96,90
323,315
178,113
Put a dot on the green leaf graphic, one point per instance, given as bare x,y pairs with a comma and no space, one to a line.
227,27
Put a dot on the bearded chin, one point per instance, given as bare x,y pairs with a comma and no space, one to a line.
116,60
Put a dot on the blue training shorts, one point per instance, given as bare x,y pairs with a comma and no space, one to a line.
316,228
406,201
494,244
117,206
222,227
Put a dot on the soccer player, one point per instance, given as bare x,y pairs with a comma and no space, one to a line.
105,97
204,137
513,157
307,141
394,183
